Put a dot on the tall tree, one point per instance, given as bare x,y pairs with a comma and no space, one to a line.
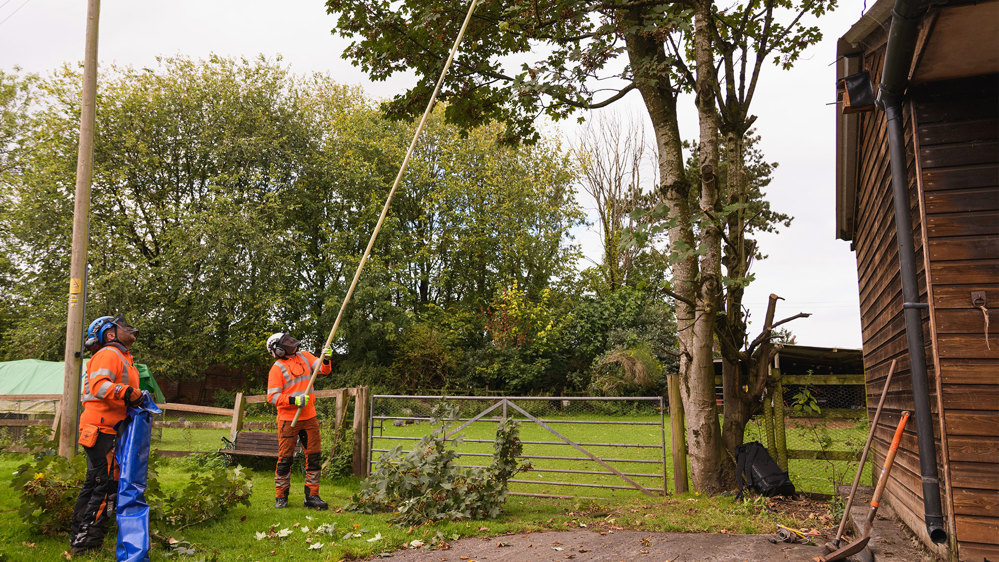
744,38
16,92
612,157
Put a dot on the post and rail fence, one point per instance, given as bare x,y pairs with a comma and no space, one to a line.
44,410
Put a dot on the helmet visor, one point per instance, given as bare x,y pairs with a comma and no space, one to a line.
289,344
120,322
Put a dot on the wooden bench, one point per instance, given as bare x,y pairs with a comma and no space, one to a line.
255,444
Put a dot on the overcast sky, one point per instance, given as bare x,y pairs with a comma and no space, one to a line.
807,266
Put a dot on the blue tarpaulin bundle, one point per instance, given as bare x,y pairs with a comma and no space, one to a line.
132,455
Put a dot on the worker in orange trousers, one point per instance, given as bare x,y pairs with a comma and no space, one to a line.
287,384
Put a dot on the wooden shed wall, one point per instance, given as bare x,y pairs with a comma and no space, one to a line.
882,322
957,140
954,184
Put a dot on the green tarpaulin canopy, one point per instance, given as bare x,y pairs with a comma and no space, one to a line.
33,376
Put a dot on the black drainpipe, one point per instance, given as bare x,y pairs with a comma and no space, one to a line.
894,79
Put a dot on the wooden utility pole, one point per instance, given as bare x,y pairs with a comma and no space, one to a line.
81,235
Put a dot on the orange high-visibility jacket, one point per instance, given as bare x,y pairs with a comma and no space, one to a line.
289,378
109,374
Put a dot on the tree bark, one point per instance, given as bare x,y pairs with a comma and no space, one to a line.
736,410
648,58
710,466
740,403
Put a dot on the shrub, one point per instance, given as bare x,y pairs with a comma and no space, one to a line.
427,359
49,485
426,485
208,494
224,398
628,372
204,461
48,488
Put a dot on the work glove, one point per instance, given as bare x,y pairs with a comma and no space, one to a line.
300,401
132,397
328,355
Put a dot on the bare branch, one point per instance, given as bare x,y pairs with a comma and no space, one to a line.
680,298
789,318
621,93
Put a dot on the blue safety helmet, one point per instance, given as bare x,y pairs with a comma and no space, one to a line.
96,331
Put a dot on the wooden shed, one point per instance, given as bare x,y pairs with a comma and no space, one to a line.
950,124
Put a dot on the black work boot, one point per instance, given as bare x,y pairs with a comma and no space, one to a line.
281,503
315,502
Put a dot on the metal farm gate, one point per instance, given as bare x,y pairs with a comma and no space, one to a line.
598,446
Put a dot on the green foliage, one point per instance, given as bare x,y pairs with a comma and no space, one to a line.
804,402
340,454
49,485
210,492
236,191
514,320
425,484
427,358
525,59
48,489
204,461
631,371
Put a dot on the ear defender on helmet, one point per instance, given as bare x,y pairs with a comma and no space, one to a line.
95,332
274,345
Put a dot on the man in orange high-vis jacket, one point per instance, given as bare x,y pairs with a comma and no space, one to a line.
110,385
287,383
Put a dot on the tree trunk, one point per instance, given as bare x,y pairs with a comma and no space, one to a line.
739,404
660,101
744,379
710,466
736,410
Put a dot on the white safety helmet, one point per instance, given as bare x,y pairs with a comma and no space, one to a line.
281,345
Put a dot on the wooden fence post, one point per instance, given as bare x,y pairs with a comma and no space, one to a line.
238,411
768,423
341,409
55,421
779,421
367,431
678,436
360,443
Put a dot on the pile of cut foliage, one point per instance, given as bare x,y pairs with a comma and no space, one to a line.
426,484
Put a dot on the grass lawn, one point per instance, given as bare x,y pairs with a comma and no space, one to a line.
233,535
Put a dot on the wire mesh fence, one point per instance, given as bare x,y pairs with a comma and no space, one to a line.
820,452
180,429
576,446
819,426
832,400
